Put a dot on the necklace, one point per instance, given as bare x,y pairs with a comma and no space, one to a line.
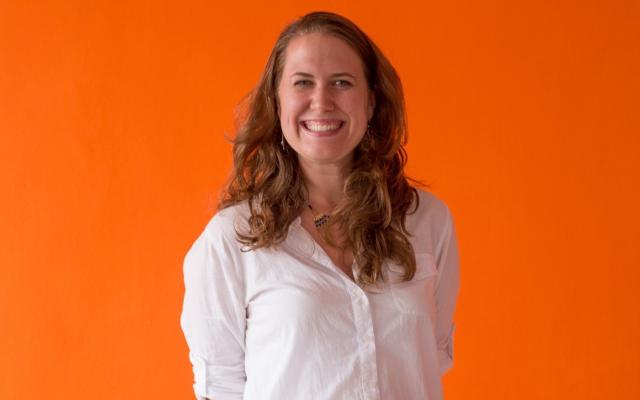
319,219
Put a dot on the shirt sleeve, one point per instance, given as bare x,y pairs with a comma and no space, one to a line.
213,318
447,288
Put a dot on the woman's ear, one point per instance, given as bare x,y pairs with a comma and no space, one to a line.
372,105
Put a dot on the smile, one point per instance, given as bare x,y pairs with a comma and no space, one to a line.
324,126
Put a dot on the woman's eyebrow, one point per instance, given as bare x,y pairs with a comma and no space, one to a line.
336,75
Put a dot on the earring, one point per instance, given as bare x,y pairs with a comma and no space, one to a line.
284,149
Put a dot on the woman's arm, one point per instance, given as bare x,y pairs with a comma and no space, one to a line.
213,318
447,288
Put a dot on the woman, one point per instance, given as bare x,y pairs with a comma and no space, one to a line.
325,274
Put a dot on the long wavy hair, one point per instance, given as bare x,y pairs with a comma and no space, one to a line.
377,194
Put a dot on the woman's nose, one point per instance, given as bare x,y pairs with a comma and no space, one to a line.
322,98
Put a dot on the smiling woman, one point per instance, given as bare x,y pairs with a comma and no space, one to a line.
324,100
325,274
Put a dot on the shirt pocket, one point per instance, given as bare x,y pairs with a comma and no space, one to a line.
416,296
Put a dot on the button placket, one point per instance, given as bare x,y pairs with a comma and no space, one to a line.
367,350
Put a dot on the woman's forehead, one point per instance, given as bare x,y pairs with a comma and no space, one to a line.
321,52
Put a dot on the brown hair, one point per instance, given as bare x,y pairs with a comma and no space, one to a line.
377,193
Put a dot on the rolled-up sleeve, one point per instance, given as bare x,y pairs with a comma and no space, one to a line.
213,318
447,288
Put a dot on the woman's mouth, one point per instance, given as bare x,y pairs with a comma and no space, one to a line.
322,127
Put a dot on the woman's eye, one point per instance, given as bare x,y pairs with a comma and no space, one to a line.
303,82
342,83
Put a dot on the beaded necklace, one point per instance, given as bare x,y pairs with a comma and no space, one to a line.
319,219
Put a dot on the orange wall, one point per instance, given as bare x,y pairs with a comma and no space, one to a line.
524,115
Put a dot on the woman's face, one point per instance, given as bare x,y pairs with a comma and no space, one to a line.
324,100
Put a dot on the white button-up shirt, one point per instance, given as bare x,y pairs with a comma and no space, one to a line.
285,323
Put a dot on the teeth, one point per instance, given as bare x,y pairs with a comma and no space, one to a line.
317,127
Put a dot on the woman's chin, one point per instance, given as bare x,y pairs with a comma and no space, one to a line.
324,157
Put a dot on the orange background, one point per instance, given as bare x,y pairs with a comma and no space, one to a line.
523,115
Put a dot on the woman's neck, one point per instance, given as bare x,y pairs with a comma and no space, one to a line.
325,185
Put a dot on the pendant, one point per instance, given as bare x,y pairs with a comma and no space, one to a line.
319,220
